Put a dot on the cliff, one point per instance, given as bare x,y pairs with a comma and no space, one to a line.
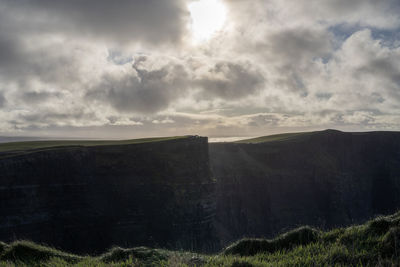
183,193
87,198
325,179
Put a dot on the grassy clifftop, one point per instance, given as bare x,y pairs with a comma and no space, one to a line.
29,145
298,136
274,138
375,243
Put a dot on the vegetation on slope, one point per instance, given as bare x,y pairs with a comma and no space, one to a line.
275,138
29,145
300,135
376,243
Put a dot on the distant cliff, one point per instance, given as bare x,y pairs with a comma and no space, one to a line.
325,179
86,199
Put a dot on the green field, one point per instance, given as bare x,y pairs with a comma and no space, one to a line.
275,138
375,243
29,145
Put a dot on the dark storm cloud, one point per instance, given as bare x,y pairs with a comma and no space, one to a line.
152,89
151,21
47,63
384,67
230,81
44,43
142,90
389,70
264,119
8,51
290,52
29,30
296,44
10,54
2,100
33,97
51,118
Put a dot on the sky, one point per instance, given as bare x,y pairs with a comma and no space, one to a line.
218,68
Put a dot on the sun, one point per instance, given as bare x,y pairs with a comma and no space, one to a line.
208,17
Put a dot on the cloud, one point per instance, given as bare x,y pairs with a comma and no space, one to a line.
150,21
369,13
33,97
140,89
230,81
53,40
150,86
2,100
365,73
8,52
297,44
129,67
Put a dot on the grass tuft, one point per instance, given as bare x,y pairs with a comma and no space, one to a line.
379,225
390,244
118,254
300,236
3,247
27,252
249,247
237,263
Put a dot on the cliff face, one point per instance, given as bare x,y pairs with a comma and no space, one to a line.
162,194
323,179
86,199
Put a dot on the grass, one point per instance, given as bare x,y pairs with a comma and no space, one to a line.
30,145
298,135
31,253
273,138
375,243
250,247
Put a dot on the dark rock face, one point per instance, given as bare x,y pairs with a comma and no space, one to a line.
162,194
86,199
325,179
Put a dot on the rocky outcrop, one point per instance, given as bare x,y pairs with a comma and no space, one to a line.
86,199
324,179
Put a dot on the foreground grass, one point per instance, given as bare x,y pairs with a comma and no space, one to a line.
29,145
375,243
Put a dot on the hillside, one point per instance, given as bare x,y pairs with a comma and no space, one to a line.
275,138
303,136
326,179
375,243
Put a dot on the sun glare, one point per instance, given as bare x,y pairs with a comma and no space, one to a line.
208,17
